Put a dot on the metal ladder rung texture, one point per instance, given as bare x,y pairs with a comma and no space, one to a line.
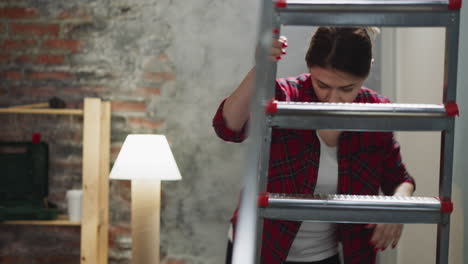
367,5
365,109
353,208
362,117
385,13
360,18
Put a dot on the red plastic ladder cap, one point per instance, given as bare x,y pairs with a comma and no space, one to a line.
263,199
281,4
446,206
451,109
455,4
271,107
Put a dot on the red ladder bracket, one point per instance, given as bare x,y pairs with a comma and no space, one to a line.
284,4
271,107
455,4
446,205
263,199
451,109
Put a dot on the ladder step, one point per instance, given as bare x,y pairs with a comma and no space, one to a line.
363,117
363,5
390,13
353,208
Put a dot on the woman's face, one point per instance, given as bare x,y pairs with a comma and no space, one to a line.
333,86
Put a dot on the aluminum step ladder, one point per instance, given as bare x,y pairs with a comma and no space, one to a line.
256,204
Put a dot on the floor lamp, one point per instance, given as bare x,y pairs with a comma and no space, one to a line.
145,160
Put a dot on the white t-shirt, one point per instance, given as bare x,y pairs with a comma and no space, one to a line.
316,241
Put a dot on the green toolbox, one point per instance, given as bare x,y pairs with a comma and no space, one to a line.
24,183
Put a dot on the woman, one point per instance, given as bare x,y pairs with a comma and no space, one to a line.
323,161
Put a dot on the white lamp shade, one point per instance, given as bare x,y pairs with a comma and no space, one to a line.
145,157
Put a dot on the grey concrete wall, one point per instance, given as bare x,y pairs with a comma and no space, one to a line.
212,49
166,65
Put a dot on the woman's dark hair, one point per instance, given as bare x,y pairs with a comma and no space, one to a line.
345,49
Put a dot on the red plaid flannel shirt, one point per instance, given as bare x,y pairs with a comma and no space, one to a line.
367,162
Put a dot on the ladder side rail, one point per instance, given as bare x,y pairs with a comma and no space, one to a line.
244,251
445,192
270,88
448,137
362,18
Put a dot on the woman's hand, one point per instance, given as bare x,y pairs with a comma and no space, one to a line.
385,235
278,48
389,234
236,107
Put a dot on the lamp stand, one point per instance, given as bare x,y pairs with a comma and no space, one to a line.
146,197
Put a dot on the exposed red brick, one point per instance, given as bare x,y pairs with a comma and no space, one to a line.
49,59
63,164
17,13
174,261
4,58
150,90
66,44
74,14
115,231
84,89
41,59
24,59
159,76
11,44
163,57
57,259
13,259
35,29
119,230
144,123
42,92
50,75
125,106
116,149
12,75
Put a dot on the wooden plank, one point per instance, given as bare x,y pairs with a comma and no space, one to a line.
103,236
62,220
146,196
90,203
46,111
39,105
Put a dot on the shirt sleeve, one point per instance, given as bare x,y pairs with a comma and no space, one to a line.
282,93
395,172
225,133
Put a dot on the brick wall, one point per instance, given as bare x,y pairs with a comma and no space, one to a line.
165,65
42,47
